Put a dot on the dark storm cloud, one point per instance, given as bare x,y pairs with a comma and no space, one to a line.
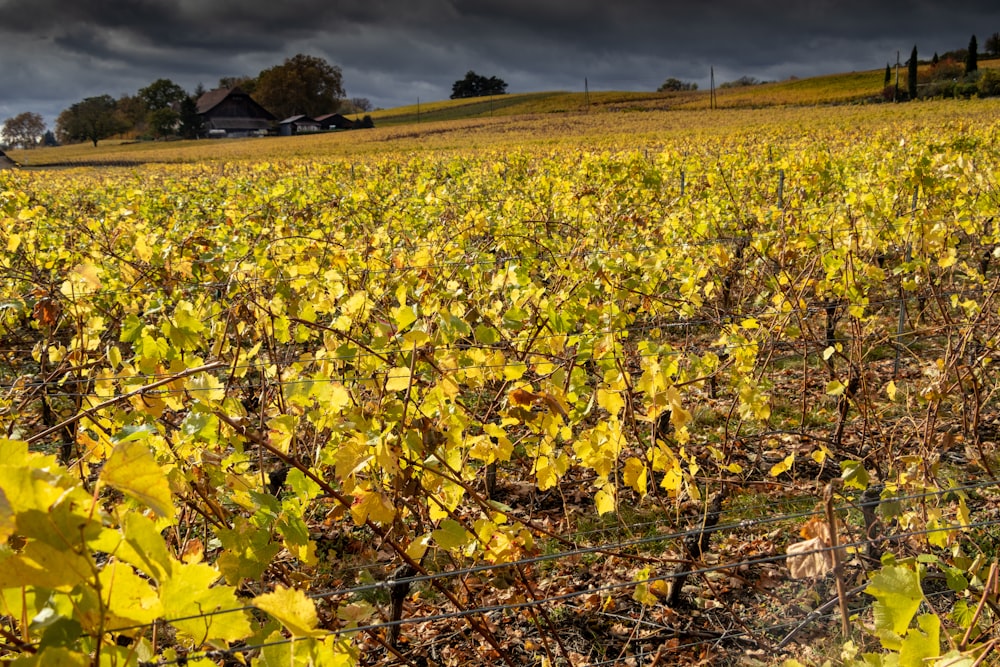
55,52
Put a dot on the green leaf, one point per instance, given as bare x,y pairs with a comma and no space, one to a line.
451,536
293,609
487,335
132,470
247,551
854,474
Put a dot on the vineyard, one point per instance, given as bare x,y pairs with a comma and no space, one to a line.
721,394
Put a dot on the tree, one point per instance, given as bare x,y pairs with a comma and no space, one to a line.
24,129
474,85
161,99
888,75
191,124
248,84
132,112
912,73
91,119
162,122
161,94
361,103
302,85
673,84
972,57
993,44
742,82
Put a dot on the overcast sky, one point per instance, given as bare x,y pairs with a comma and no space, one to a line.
56,52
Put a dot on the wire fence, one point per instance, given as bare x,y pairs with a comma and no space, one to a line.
759,632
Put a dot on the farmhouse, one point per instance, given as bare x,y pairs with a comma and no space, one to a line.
297,125
335,121
231,112
6,162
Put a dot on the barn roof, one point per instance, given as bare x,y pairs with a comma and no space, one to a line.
301,118
214,98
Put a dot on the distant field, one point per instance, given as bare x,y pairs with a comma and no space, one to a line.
634,123
475,120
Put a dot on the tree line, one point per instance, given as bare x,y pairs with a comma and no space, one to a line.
303,84
953,74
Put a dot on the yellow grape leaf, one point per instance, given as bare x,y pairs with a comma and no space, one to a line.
89,273
642,593
404,316
964,518
7,521
828,352
514,371
397,379
783,466
890,390
331,397
635,474
127,595
604,499
374,506
188,595
611,401
292,609
660,588
141,247
132,470
45,566
546,473
206,387
63,657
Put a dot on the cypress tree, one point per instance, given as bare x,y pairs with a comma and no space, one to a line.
912,73
888,74
972,57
